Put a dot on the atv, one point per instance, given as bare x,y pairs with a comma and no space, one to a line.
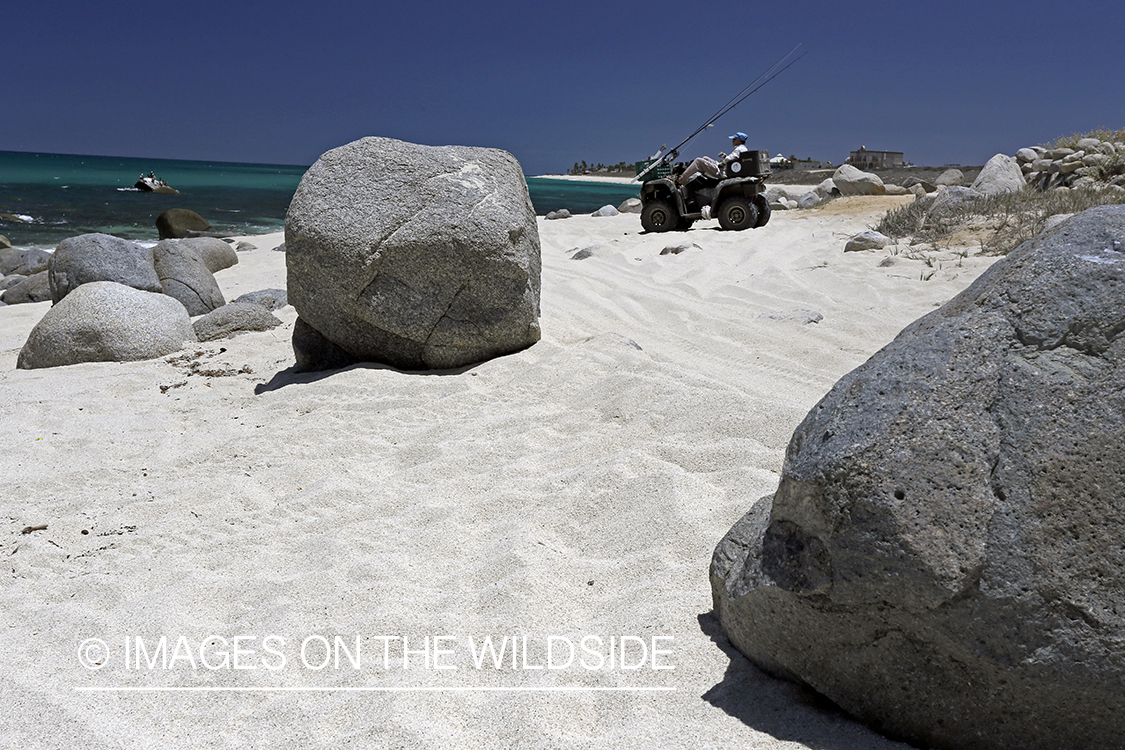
735,199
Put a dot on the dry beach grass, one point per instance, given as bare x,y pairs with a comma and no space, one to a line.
575,488
998,223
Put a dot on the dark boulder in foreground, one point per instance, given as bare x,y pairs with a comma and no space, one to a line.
177,223
106,322
944,557
415,256
100,257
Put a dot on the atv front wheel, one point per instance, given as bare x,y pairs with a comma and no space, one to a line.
659,216
737,213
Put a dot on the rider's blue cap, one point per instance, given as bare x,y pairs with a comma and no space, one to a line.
740,136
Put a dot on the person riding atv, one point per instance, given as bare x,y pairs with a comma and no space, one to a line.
730,190
708,166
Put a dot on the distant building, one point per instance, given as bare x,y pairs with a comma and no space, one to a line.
779,162
864,159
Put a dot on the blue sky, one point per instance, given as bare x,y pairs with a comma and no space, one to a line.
556,83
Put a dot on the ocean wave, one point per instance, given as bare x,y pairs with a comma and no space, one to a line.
128,190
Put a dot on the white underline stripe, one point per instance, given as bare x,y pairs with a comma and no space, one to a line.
375,689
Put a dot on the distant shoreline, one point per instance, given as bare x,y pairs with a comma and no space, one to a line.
587,178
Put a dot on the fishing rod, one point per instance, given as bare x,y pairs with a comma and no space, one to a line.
731,104
735,100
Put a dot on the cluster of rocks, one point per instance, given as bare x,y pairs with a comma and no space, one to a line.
23,276
949,178
414,256
1090,163
783,199
116,300
1001,174
628,206
845,181
943,555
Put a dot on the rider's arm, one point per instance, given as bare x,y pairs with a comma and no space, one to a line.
733,155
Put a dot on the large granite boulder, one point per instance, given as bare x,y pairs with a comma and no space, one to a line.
103,321
851,181
185,276
944,557
177,223
1002,174
419,257
100,257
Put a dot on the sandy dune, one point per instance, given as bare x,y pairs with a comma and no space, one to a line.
571,491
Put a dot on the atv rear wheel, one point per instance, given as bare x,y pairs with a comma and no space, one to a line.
763,211
737,213
659,216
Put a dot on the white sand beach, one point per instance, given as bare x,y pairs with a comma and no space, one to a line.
568,495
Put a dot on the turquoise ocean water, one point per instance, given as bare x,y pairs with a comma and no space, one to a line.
45,198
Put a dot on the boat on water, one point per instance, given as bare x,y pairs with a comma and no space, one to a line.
151,184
